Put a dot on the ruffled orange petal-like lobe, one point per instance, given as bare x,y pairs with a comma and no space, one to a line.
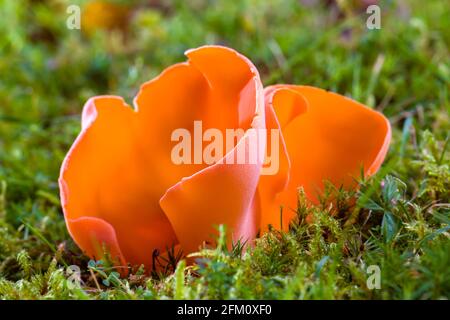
334,140
270,186
220,194
96,237
102,178
223,193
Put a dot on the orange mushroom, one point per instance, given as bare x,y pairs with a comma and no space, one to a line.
121,191
324,137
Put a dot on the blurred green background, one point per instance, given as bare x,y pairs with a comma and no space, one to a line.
48,71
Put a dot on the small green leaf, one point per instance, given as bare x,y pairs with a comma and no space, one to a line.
389,226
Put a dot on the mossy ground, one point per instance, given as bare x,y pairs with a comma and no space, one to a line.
400,222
